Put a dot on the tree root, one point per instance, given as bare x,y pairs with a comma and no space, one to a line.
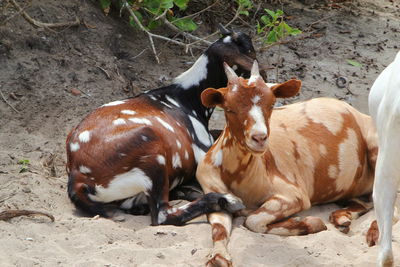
9,214
40,24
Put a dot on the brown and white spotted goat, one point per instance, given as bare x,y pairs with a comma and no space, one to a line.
281,161
129,154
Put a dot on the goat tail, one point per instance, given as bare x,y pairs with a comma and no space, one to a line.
78,193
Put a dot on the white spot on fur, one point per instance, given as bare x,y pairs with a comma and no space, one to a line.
172,101
322,149
186,155
227,39
128,112
74,147
198,153
119,121
166,125
161,159
255,99
123,186
145,138
141,121
153,98
218,158
234,88
165,104
114,103
175,183
178,144
176,161
195,74
274,205
259,126
333,171
201,131
194,113
84,169
162,216
84,136
348,161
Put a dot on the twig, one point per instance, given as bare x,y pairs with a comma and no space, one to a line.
217,32
5,100
9,214
138,55
105,72
187,35
4,22
43,24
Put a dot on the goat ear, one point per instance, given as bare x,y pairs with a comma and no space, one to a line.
286,89
212,97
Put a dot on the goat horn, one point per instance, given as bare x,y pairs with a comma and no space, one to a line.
255,72
223,30
230,73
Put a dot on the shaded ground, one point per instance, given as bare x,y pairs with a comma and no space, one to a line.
105,61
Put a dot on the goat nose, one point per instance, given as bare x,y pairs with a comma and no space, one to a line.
259,138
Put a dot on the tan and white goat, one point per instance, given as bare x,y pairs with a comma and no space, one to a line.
281,161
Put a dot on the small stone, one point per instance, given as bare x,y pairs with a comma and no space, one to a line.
29,239
160,255
26,190
75,92
119,218
193,251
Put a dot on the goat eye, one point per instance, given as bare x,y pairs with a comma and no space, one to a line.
230,111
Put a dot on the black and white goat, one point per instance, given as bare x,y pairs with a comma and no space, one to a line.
132,152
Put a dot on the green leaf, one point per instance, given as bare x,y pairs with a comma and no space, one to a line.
265,19
154,24
247,4
105,4
354,63
272,14
182,4
186,24
272,38
166,4
244,12
278,13
295,31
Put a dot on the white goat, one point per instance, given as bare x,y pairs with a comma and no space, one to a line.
384,107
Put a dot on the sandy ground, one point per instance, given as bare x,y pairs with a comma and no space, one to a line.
39,68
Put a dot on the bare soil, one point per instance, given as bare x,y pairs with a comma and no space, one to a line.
54,78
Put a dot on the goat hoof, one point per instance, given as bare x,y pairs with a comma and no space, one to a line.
372,234
218,261
232,204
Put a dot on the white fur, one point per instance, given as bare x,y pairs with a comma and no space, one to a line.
119,121
227,39
141,121
161,159
172,101
165,124
186,155
165,104
128,112
84,136
259,126
114,103
84,169
201,131
195,74
123,186
198,153
74,147
384,106
178,144
176,161
218,158
255,99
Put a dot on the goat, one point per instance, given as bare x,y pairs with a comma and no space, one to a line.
281,161
384,107
131,153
